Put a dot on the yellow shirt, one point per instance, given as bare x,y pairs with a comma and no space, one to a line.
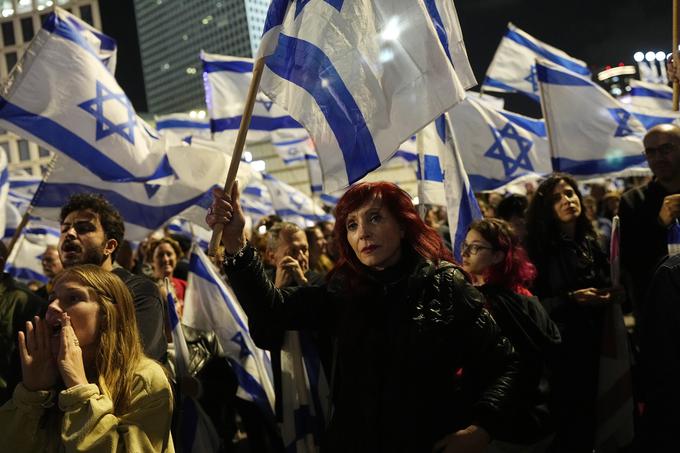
86,421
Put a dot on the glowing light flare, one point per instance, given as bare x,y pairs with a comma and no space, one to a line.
392,30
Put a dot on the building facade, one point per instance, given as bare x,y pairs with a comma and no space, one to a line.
19,22
173,32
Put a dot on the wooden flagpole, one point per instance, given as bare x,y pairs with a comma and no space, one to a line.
238,148
676,60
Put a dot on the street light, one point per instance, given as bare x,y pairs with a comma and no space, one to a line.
639,56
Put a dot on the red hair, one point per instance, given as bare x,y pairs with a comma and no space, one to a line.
515,272
418,236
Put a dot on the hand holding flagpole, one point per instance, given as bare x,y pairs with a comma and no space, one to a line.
238,147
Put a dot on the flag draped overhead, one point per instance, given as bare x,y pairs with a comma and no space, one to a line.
361,76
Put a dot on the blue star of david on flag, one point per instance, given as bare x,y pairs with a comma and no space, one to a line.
105,126
497,150
267,104
238,339
295,201
531,78
300,5
621,116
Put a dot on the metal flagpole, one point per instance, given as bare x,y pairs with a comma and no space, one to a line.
238,148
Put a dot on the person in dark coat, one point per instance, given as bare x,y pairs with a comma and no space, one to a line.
573,286
406,321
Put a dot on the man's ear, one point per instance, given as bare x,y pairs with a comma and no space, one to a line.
110,246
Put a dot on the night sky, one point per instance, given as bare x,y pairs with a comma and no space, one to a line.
600,32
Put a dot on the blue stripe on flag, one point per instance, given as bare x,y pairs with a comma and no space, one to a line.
55,25
596,166
439,26
545,53
406,155
440,124
23,273
491,82
54,195
305,65
172,312
480,183
649,121
230,66
181,124
255,191
4,176
469,211
536,127
290,142
73,145
433,169
275,14
251,386
189,422
646,92
557,77
257,123
316,188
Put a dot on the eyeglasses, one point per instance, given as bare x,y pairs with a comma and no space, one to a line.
662,151
473,249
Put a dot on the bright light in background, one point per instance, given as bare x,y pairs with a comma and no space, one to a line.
391,31
191,70
193,114
7,12
259,165
650,56
247,156
201,114
639,57
660,56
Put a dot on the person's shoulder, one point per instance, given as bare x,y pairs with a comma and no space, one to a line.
136,283
151,377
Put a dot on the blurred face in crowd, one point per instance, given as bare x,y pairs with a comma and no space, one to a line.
590,205
294,245
478,255
51,263
83,241
375,235
164,260
566,205
662,149
318,244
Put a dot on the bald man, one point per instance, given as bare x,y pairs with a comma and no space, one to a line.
647,212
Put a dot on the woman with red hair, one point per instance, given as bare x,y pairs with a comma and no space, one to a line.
501,270
404,320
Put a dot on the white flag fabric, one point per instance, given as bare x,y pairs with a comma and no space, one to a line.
25,261
22,188
4,191
209,304
429,173
650,117
513,68
591,133
461,205
12,221
256,201
361,76
198,234
63,97
226,82
292,205
498,146
407,151
183,125
651,95
295,146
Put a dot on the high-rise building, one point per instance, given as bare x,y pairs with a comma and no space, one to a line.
19,22
172,34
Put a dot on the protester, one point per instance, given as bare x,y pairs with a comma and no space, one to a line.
86,383
573,285
51,266
17,306
647,213
601,225
164,254
319,261
405,320
91,230
513,209
493,256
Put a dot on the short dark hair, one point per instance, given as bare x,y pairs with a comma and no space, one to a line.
109,217
514,205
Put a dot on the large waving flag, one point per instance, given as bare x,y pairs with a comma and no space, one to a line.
361,76
226,81
462,207
209,304
64,97
513,67
292,205
498,146
183,125
429,173
24,263
591,133
651,95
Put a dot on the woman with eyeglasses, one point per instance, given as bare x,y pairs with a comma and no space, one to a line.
404,319
499,266
573,285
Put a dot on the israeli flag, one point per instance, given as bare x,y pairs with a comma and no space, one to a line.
591,133
144,207
429,173
651,95
461,205
198,234
4,190
513,68
407,151
226,81
209,304
22,188
196,431
182,125
294,146
25,261
498,146
12,221
653,117
63,97
256,201
361,76
292,205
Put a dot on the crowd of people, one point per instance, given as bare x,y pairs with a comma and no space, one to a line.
500,352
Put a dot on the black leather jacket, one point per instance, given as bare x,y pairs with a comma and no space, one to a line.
401,340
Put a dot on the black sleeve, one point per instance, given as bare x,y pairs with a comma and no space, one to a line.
272,311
